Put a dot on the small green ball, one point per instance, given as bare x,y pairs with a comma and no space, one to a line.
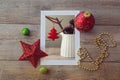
43,70
25,31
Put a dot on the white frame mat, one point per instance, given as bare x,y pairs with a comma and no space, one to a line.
42,38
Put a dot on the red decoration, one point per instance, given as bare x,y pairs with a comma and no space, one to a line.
53,33
32,52
84,21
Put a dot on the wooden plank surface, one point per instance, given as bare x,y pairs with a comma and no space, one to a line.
10,35
16,14
20,71
106,12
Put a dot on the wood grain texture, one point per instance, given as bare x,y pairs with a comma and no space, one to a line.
16,14
106,12
11,35
87,41
20,71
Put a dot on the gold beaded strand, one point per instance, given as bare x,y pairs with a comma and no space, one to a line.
102,46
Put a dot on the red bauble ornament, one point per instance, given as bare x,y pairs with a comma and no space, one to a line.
32,52
84,21
53,34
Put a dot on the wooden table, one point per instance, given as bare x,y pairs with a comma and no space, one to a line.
15,14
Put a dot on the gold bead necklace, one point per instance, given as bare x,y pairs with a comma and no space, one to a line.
102,45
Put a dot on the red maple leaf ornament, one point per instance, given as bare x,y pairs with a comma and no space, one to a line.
32,52
53,34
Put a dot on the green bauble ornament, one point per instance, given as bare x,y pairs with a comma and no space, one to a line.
43,70
25,31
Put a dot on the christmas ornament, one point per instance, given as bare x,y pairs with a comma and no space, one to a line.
84,21
53,33
25,31
32,52
43,70
66,29
57,21
103,46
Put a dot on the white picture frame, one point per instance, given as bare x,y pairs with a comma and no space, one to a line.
42,38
